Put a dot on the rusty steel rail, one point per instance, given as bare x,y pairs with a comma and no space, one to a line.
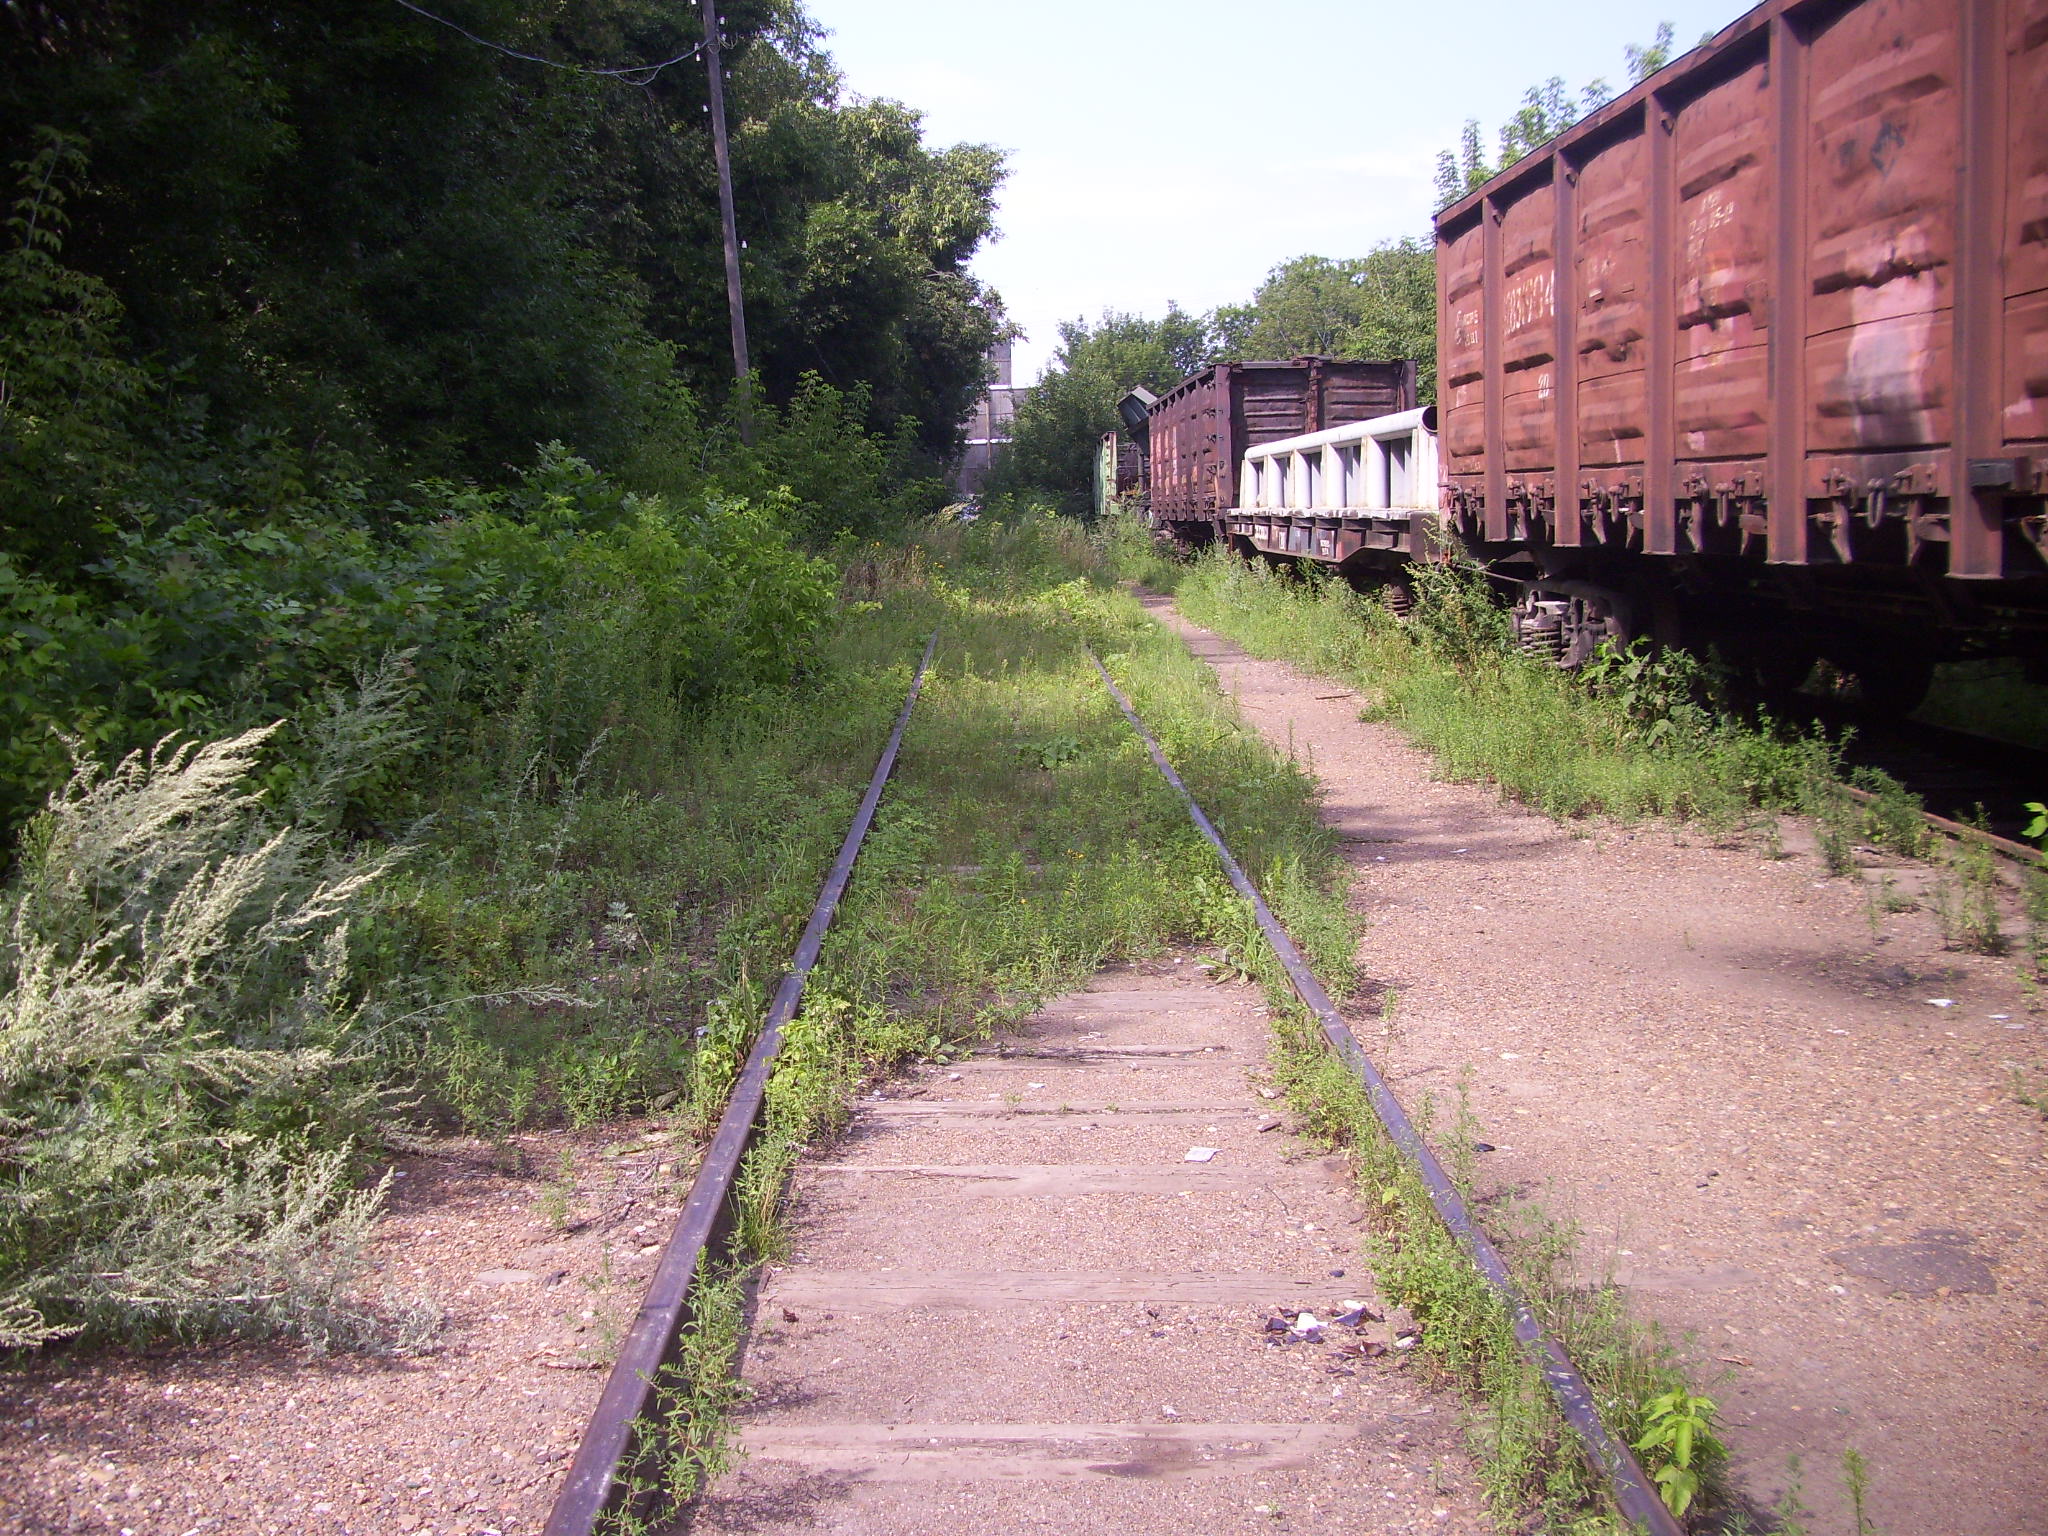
599,1473
2019,853
1633,1493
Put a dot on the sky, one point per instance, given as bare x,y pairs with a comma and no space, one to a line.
1178,151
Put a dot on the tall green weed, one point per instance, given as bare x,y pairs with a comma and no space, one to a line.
212,623
160,576
1641,734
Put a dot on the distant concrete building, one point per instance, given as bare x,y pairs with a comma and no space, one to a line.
989,427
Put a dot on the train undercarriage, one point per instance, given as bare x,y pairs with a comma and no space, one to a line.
1884,624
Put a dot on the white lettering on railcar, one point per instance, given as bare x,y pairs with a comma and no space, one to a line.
1529,302
1714,210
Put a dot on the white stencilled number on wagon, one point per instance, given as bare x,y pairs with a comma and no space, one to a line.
1529,301
1715,210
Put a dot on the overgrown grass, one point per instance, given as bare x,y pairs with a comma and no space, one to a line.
225,998
1047,846
1025,842
1635,735
590,927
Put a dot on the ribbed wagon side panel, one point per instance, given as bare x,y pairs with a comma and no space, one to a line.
1884,142
1461,360
1269,404
1612,264
1183,431
2024,382
1725,195
1786,301
1359,391
1528,351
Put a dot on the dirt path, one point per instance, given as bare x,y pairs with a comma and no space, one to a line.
535,1274
1730,1072
1015,1304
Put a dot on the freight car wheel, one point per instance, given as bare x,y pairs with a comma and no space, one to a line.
1566,622
1890,683
1766,667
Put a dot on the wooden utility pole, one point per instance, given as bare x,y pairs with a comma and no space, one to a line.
735,302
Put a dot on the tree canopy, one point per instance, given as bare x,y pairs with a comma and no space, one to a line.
1546,111
380,241
302,304
1062,417
1381,305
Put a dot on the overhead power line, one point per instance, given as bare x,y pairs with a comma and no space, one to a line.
631,74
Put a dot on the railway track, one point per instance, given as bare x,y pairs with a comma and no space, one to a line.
1970,787
613,1446
607,1487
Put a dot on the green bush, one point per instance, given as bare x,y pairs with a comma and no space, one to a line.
214,622
561,691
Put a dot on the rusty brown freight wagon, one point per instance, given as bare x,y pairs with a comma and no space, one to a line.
1759,350
1118,471
1201,427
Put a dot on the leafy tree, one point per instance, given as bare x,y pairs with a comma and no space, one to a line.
407,253
1061,418
1381,306
1304,307
1546,111
66,391
287,288
863,278
1645,62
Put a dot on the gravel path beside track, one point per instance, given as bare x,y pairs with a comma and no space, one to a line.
536,1273
1732,1076
1014,1304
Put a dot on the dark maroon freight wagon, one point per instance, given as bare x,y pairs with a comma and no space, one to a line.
1766,339
1202,426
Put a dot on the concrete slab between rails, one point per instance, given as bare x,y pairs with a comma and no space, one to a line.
1084,1007
1094,1053
995,1180
996,1288
1047,1083
1204,1014
1129,1139
1158,1066
1012,1313
919,1109
944,1452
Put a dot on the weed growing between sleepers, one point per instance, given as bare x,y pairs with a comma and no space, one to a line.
1024,843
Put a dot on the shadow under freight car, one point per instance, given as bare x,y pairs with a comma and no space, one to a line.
1976,751
1988,698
